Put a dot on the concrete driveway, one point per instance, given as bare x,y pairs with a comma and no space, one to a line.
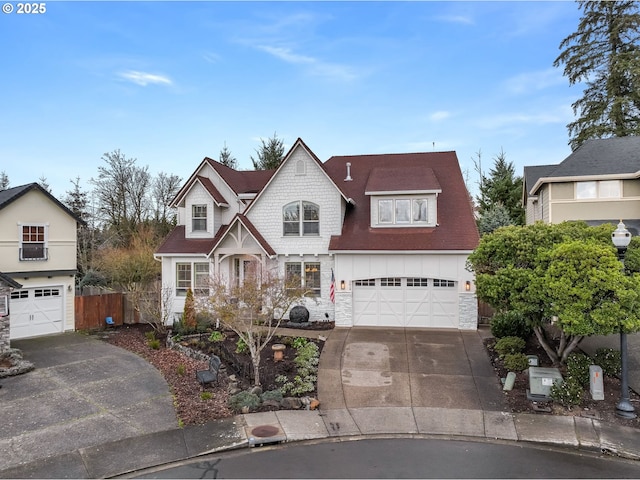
83,392
418,372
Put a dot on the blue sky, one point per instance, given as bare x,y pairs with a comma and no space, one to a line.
169,83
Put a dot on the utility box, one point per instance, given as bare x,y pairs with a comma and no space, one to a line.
533,360
597,382
540,381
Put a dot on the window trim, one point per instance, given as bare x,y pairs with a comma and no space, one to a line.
44,242
305,275
183,285
388,211
301,226
597,184
199,209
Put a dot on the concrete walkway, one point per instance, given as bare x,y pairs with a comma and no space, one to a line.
375,382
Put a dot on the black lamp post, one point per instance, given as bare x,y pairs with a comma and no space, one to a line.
621,238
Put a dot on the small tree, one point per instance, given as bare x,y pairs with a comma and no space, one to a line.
227,159
254,308
270,154
155,305
189,314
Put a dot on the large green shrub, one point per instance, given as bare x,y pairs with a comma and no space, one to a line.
578,367
516,362
610,361
244,399
307,359
510,324
568,392
507,345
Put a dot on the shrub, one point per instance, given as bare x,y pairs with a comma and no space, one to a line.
610,361
568,392
507,345
299,342
244,399
516,362
578,367
241,346
216,336
206,396
154,344
272,395
510,324
307,359
181,369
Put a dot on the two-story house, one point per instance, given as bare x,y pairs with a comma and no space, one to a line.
598,183
379,240
38,240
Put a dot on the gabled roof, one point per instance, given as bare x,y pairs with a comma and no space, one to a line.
12,194
249,181
10,282
300,144
614,158
246,223
456,229
177,243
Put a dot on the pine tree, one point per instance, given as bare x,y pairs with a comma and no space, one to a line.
4,181
502,187
604,53
270,155
227,159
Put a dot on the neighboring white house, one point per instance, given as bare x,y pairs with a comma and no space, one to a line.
38,242
389,234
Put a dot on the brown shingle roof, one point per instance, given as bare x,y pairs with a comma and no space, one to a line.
177,243
213,191
456,228
244,181
407,179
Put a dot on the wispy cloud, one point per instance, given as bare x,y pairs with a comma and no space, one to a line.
316,67
533,81
440,115
211,57
143,78
460,19
512,119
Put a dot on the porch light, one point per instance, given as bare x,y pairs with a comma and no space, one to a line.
343,285
467,286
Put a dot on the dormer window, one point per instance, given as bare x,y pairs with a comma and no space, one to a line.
296,224
199,218
402,211
33,242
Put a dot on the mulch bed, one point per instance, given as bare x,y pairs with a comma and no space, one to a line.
518,402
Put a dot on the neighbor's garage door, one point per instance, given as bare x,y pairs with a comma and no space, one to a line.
405,302
36,311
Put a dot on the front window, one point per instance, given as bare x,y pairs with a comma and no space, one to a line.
600,189
306,224
32,245
586,190
305,275
609,189
402,211
201,279
199,218
183,278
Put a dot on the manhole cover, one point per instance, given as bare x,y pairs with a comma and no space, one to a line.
265,431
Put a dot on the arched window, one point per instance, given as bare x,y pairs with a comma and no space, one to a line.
301,218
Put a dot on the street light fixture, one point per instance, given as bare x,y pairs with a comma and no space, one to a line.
621,239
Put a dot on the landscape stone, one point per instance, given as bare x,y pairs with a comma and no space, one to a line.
299,314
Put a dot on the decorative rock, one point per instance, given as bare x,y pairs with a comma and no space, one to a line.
299,314
291,403
233,389
315,403
271,403
257,390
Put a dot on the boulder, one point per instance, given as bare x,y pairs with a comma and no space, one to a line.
291,403
299,314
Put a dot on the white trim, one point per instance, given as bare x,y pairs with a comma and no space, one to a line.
403,192
583,178
400,252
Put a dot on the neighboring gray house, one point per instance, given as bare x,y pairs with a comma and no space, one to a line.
598,183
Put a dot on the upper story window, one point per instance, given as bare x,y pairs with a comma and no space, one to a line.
598,189
402,211
33,242
301,218
199,218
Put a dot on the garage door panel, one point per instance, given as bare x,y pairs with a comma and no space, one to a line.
365,306
36,311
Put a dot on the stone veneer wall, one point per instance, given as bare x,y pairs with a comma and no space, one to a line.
4,325
468,311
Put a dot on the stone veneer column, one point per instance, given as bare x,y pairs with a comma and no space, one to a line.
4,326
468,311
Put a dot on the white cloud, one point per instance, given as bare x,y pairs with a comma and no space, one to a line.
211,57
461,19
533,81
144,78
316,67
440,115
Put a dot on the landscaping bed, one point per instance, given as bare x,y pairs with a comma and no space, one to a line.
598,409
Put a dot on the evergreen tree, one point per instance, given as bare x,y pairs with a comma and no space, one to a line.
502,187
604,53
270,155
4,181
44,184
495,217
227,159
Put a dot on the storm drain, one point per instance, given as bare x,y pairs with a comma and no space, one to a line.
264,434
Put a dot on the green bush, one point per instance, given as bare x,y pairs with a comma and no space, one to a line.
241,346
610,361
299,342
516,362
507,345
204,396
578,367
272,395
307,359
181,370
216,336
568,392
510,324
244,399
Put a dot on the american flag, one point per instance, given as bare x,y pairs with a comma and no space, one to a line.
332,288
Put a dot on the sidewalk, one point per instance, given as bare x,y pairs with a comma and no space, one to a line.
353,377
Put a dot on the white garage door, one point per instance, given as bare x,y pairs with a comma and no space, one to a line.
405,302
36,311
